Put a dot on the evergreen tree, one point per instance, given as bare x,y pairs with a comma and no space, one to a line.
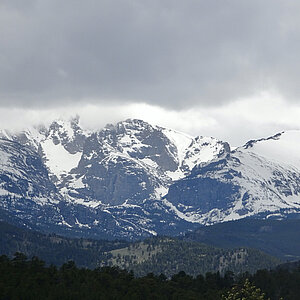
247,292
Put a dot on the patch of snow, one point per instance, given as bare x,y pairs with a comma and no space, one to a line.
188,218
149,162
4,192
77,183
176,175
5,134
160,192
81,225
152,232
88,203
277,215
63,222
181,140
58,159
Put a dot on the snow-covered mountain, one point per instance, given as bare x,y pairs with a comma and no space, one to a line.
110,183
260,178
134,161
134,179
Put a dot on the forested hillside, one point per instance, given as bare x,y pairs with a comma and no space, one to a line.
157,255
53,248
169,256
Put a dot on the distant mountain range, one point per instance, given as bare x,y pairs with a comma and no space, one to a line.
133,180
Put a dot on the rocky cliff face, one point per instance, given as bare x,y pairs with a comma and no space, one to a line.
134,161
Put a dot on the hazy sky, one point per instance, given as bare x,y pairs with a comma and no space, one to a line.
224,68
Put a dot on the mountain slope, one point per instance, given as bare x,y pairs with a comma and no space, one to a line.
280,238
23,175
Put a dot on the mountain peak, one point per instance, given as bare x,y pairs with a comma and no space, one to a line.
66,126
129,124
251,143
282,147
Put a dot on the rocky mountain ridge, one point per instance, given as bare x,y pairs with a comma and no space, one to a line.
134,179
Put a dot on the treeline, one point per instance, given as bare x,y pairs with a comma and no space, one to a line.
22,278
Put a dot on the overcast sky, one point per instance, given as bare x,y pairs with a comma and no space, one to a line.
224,68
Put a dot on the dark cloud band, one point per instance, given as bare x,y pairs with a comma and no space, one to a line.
170,53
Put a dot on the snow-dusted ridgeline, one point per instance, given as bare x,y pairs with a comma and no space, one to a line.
134,179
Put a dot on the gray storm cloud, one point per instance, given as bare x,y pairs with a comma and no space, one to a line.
168,53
